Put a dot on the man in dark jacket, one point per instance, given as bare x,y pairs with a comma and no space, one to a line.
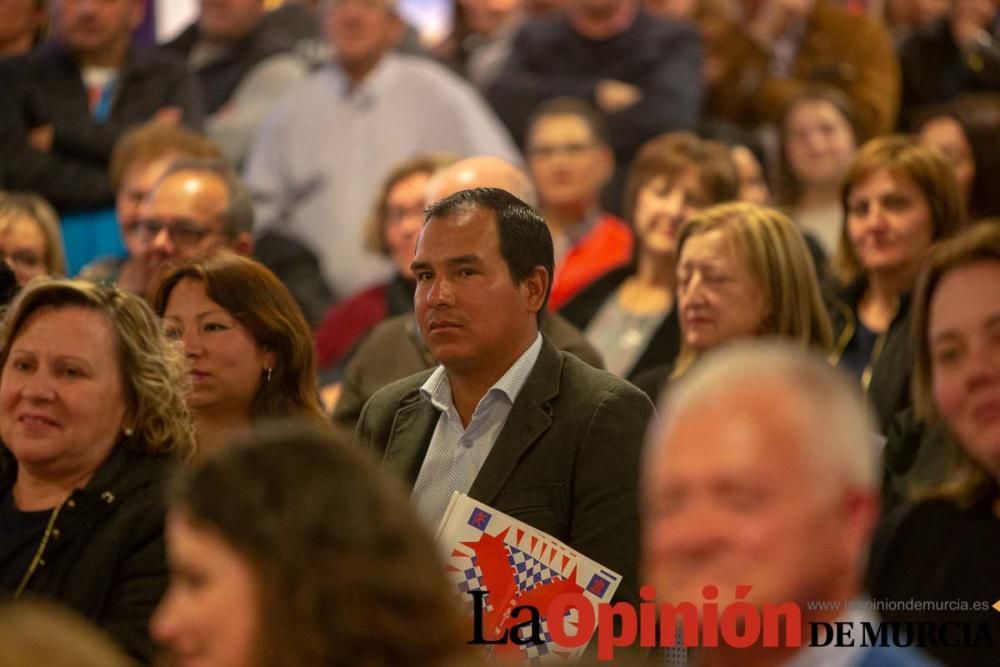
508,418
643,73
243,63
66,105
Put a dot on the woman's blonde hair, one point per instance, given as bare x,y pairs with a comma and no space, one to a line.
28,628
153,371
902,157
950,472
41,212
779,259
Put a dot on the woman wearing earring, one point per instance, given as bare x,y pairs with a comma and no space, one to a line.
249,349
92,420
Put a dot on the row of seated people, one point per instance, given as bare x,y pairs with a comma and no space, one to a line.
762,471
316,143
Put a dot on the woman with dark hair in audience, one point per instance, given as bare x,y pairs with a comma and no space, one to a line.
819,138
628,314
900,198
30,240
742,271
288,548
967,133
92,420
391,231
248,347
944,546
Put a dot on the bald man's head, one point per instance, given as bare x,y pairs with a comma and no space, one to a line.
483,171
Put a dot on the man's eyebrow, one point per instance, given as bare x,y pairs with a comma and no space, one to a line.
464,259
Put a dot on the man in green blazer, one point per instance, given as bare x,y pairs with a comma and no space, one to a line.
508,418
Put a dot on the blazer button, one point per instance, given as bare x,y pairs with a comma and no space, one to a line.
55,533
71,503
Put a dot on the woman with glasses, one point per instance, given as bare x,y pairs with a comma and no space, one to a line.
391,231
249,349
30,241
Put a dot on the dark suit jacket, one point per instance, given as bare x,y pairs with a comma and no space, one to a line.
565,462
46,87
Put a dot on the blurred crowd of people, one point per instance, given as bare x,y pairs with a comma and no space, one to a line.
708,290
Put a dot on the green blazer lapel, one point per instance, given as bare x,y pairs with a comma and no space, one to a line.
410,437
529,418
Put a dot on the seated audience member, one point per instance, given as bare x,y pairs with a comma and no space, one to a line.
66,104
30,241
899,198
955,55
23,28
41,633
570,162
505,410
743,271
629,314
768,52
195,206
243,65
642,72
139,159
248,347
312,557
321,155
394,349
818,143
763,476
481,34
939,548
393,225
92,420
967,133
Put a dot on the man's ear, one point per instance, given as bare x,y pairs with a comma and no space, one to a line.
607,163
534,287
242,244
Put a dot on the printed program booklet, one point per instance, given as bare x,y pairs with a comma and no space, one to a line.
499,564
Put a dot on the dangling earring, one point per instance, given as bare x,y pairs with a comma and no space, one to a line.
128,432
268,378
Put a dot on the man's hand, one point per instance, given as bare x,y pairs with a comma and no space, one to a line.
613,95
41,138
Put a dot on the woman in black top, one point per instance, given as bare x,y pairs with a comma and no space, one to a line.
92,420
900,198
944,546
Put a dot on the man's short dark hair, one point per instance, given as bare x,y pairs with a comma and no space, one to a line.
525,241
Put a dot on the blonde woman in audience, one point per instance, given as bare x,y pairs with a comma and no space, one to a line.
289,548
943,547
40,633
900,198
249,349
30,241
92,421
742,271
